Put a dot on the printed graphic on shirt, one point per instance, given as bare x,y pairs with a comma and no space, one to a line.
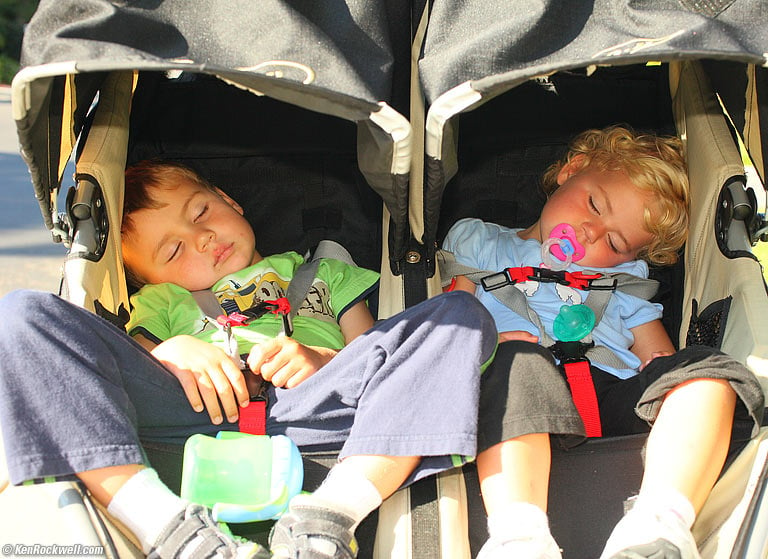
269,286
566,293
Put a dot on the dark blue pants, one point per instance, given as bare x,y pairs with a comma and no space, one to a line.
78,394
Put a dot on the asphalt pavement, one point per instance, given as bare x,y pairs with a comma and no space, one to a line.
28,256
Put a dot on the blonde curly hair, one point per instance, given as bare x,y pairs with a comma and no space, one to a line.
655,164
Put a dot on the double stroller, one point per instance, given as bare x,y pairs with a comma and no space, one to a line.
379,125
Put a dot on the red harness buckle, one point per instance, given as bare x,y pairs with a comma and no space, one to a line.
233,319
280,306
520,274
580,280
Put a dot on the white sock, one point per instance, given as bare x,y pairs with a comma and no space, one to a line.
146,506
519,530
658,514
518,519
668,501
345,489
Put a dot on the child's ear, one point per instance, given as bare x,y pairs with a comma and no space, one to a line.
237,207
572,167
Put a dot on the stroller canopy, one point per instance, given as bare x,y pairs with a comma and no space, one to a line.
333,57
475,50
353,59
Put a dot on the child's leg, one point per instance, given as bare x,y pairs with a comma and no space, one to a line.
524,397
357,485
689,441
686,451
104,483
514,480
529,457
56,359
322,524
386,473
403,390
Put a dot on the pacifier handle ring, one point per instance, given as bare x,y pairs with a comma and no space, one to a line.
549,260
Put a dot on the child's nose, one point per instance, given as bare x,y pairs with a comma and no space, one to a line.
593,230
204,238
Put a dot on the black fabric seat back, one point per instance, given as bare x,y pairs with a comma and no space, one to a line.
294,171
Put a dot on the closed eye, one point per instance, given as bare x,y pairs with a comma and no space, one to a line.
613,247
175,252
593,206
201,213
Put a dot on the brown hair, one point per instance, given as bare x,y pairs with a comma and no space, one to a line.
654,164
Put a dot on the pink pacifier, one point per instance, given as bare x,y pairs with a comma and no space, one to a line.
561,244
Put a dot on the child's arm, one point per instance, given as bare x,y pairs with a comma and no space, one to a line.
206,373
461,283
356,320
286,363
651,341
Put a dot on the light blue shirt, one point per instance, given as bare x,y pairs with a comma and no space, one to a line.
492,247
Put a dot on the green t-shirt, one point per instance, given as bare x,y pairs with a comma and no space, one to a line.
165,310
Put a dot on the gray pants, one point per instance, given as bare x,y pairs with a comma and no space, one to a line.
536,398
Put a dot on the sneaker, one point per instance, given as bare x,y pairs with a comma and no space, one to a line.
645,534
541,546
308,531
659,549
194,534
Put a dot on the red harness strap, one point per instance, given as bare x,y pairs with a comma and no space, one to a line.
253,419
584,397
576,367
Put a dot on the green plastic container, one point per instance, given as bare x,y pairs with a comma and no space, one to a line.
242,477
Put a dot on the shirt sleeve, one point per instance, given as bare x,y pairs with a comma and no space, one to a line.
162,311
635,311
469,240
348,285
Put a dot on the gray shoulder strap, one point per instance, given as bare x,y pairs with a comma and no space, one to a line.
305,274
331,249
514,299
299,286
208,302
449,269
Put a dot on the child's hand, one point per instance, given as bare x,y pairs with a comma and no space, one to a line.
207,375
519,335
285,362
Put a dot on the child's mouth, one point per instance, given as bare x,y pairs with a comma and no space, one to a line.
222,253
